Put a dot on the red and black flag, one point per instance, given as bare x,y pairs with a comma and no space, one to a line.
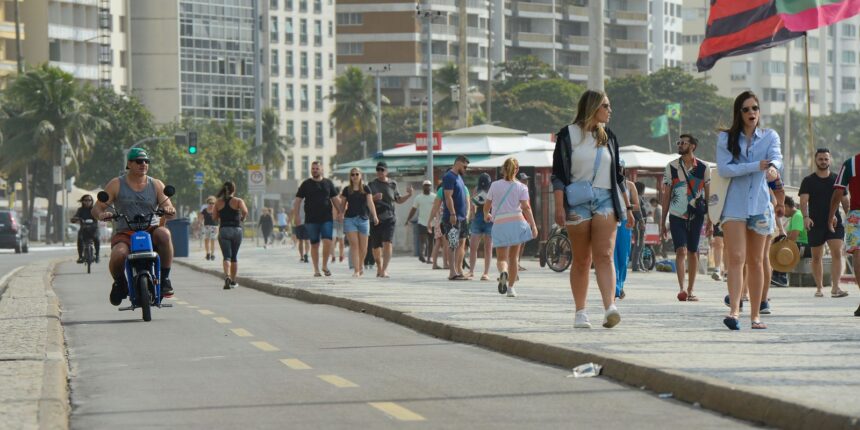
737,27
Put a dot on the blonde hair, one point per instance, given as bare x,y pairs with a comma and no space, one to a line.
360,180
210,199
586,115
509,168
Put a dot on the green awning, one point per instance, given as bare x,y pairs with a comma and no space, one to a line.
403,165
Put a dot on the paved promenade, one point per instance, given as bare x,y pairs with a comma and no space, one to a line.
801,371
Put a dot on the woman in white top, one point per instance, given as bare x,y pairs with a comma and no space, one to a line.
507,207
591,226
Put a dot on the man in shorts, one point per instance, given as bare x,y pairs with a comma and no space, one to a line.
283,224
849,180
816,192
455,210
300,235
385,194
319,195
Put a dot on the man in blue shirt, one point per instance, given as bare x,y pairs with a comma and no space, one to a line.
454,211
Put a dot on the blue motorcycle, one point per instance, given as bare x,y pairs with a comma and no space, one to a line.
143,265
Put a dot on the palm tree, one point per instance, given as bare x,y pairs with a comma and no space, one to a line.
355,108
51,118
274,146
444,80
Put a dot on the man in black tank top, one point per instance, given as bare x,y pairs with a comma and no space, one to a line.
150,192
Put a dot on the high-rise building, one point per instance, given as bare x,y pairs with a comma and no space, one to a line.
8,51
299,51
665,31
87,38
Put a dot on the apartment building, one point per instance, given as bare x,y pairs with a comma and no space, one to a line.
8,51
665,30
87,38
299,44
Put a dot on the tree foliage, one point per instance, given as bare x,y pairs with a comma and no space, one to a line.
537,106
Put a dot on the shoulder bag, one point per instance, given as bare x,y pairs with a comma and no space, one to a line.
580,192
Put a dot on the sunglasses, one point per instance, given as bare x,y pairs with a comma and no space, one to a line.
141,161
753,108
380,169
681,142
356,174
605,105
87,200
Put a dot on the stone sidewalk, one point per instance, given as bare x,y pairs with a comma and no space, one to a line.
800,372
33,366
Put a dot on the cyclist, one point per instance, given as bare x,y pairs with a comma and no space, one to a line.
87,230
132,194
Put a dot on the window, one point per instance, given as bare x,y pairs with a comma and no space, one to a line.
318,137
774,94
849,83
330,29
275,69
303,5
303,98
303,31
54,50
288,4
318,32
344,18
318,65
303,64
290,103
317,6
830,54
849,30
331,130
123,59
351,48
288,63
318,98
288,29
275,96
289,166
306,166
306,140
773,67
273,30
273,5
291,130
799,71
331,61
849,57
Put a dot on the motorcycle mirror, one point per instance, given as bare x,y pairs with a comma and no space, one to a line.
169,191
103,196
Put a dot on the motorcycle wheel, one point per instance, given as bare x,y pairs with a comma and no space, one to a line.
648,258
558,253
89,257
143,297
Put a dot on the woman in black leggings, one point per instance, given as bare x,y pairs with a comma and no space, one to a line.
230,212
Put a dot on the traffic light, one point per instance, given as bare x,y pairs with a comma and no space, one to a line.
192,142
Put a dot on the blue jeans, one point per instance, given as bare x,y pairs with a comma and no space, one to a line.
317,231
622,256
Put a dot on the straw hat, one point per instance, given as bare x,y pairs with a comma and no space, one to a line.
784,255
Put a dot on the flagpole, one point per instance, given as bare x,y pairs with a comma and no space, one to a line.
809,101
669,134
680,119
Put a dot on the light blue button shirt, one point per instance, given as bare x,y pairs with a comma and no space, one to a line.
748,194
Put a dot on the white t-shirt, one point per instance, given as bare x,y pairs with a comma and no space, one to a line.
583,151
423,203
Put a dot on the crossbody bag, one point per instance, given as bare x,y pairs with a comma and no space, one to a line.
580,192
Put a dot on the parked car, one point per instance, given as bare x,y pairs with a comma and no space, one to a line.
13,234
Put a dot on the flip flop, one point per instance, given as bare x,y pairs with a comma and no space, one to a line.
839,294
819,294
317,275
692,298
457,278
327,272
758,325
485,277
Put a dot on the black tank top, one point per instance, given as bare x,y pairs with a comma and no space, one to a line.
229,217
207,218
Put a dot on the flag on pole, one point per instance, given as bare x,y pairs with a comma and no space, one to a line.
805,15
673,111
740,27
660,126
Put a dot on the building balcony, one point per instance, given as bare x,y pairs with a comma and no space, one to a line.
453,30
569,11
574,40
537,8
624,71
7,29
79,71
445,59
627,44
77,34
534,38
574,70
629,15
7,67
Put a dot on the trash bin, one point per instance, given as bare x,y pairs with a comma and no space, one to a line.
180,233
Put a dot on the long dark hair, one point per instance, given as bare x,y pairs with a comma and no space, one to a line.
227,190
734,143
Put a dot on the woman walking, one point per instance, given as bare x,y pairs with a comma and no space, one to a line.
624,240
747,154
210,227
357,206
590,199
267,226
480,228
512,223
230,212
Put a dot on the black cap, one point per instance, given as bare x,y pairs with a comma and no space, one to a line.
522,176
462,158
382,164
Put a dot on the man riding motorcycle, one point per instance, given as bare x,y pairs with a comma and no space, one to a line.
132,194
87,230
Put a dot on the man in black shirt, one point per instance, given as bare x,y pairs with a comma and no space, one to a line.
384,196
319,195
89,226
815,193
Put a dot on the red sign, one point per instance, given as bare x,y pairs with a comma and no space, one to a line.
421,141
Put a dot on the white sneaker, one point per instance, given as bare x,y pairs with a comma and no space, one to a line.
511,292
581,320
612,317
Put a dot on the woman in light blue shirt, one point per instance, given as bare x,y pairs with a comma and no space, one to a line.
747,154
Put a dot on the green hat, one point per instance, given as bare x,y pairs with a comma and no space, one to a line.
137,154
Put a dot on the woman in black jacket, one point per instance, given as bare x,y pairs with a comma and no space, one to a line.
579,149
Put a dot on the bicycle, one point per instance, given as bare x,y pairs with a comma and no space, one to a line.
556,251
88,229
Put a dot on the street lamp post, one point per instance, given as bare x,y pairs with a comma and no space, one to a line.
377,71
427,16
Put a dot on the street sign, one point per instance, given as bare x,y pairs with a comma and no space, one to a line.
198,178
58,175
421,141
256,179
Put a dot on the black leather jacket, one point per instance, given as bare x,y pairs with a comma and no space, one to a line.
561,169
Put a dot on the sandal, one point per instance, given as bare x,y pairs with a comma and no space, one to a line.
839,294
485,277
692,298
317,275
457,278
819,294
327,272
758,325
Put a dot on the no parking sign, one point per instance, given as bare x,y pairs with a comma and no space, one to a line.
256,179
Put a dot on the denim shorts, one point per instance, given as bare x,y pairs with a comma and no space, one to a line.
317,231
480,226
600,205
356,223
761,224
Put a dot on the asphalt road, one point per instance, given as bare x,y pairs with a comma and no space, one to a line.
244,359
9,260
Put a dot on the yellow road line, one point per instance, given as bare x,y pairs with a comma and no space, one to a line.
295,364
181,302
221,320
396,411
337,381
241,332
205,312
265,346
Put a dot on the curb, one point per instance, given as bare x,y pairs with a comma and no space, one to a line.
55,403
707,392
